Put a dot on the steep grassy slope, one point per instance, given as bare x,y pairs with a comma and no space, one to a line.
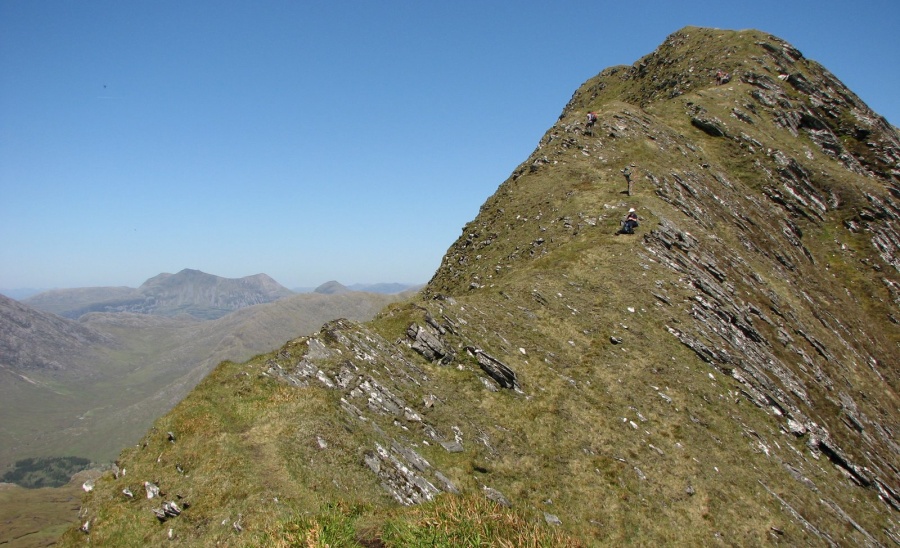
729,374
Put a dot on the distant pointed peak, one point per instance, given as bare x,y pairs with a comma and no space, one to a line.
332,288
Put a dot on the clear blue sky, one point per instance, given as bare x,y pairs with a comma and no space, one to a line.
318,140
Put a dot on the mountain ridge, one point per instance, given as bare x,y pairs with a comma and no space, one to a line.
189,291
727,374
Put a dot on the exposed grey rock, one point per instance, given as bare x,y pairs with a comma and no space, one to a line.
452,446
406,486
495,369
411,457
152,489
170,509
552,519
496,496
711,126
795,427
427,342
721,330
448,485
741,115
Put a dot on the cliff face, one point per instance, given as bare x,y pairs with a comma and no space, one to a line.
728,373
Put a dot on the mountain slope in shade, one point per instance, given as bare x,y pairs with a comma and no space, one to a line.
728,374
31,340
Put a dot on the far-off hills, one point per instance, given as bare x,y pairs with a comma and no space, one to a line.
727,375
189,292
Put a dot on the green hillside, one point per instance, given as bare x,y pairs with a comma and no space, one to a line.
728,374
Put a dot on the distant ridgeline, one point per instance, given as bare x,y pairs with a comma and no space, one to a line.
33,473
189,292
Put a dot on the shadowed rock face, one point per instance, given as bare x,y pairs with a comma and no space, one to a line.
728,373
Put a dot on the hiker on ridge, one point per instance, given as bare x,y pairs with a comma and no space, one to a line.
627,173
591,119
630,222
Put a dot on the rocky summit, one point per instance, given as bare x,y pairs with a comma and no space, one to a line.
726,374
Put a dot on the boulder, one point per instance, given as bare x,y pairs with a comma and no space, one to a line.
710,126
428,343
495,369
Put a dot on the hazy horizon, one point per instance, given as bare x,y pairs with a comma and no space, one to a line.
23,292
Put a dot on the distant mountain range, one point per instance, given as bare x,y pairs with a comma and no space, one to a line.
384,288
190,292
333,288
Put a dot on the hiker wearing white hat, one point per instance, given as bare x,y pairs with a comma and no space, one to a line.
630,222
